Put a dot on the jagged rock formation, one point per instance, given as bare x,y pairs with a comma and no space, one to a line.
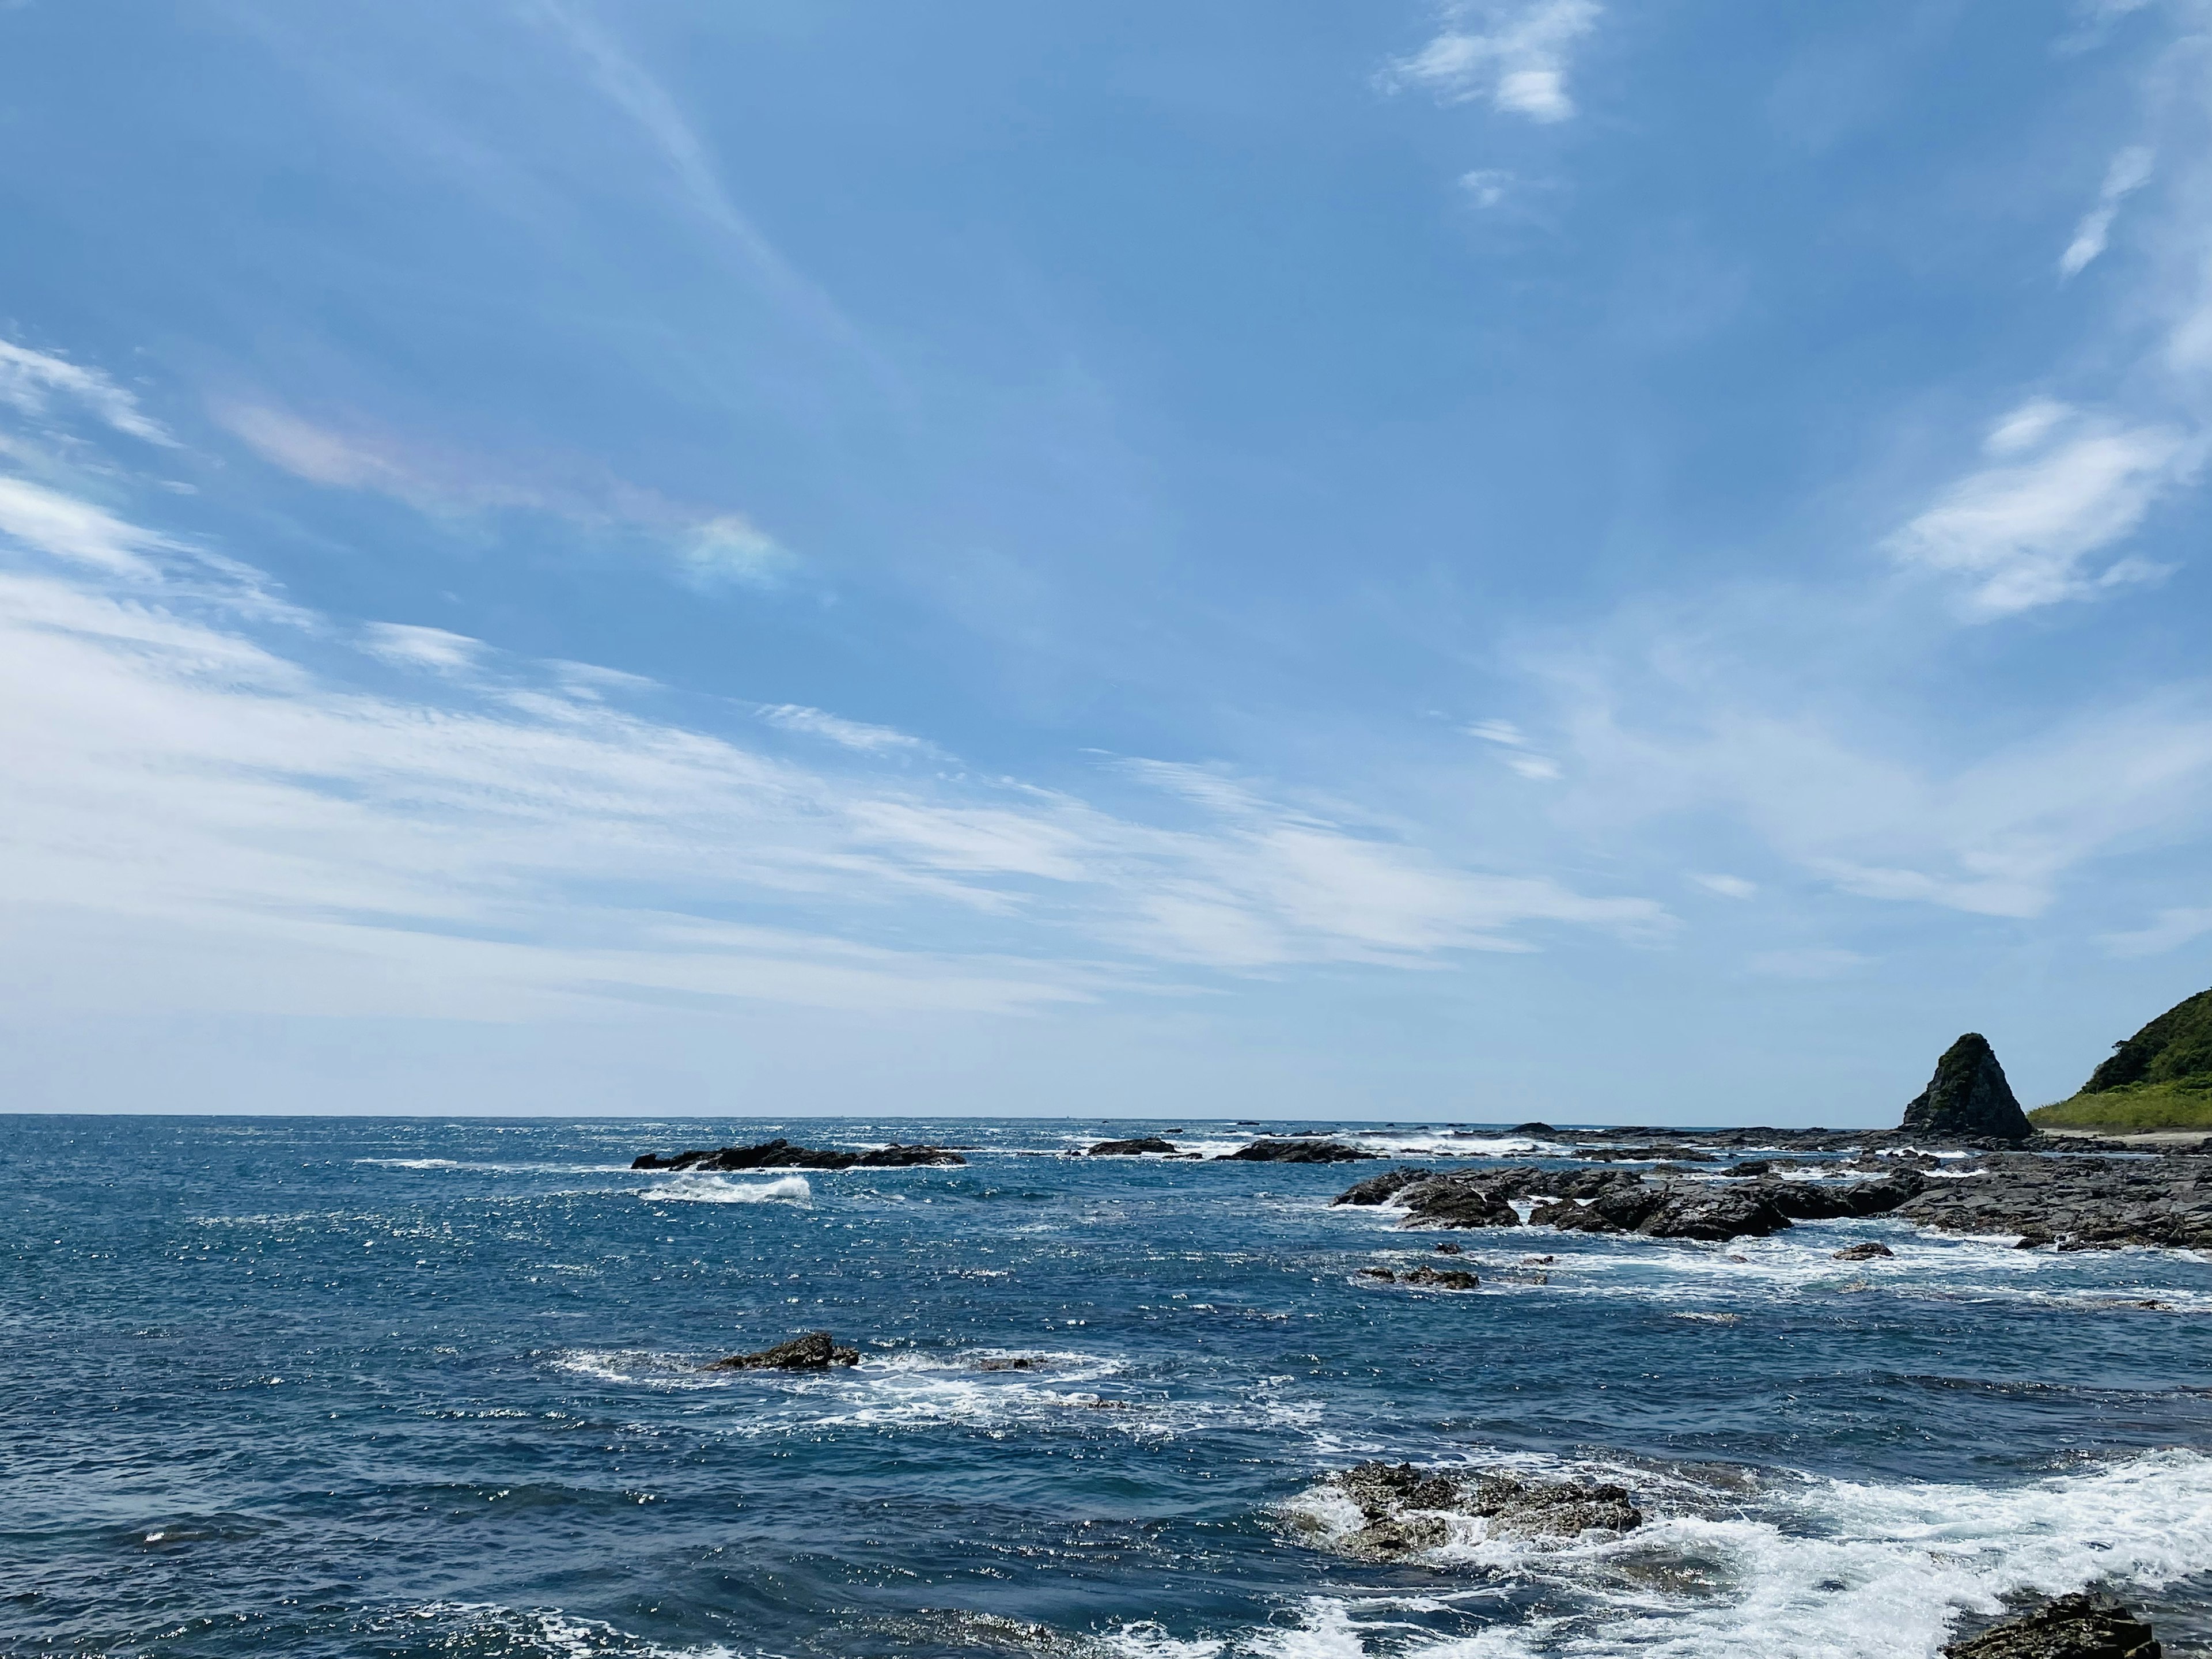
780,1154
2080,1626
2076,1204
1405,1509
818,1351
1295,1152
1135,1148
1968,1097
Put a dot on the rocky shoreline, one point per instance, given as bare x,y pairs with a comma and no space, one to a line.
2067,1201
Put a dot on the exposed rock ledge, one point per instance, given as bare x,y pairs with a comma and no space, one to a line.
2082,1626
1405,1509
2073,1203
817,1351
1296,1152
780,1154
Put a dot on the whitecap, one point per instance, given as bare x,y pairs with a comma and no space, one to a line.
719,1189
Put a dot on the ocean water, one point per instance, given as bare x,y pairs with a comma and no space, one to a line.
336,1387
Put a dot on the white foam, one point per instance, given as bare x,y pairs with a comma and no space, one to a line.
463,1626
719,1189
1829,1570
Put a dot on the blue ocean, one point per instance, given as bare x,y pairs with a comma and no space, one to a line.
314,1387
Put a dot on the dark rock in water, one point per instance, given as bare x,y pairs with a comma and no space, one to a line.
1383,1274
1968,1096
1456,1204
1448,1278
1751,1166
1135,1148
1868,1251
2076,1203
815,1352
2080,1626
1554,1509
1296,1152
1448,1249
1535,1131
1381,1188
1641,1154
780,1154
1019,1363
1406,1508
1713,1214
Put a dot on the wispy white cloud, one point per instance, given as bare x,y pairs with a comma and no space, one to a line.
2129,172
851,734
30,381
1521,758
502,836
731,548
2064,488
1698,726
2168,930
65,527
709,549
415,646
633,90
1735,887
1486,187
1513,52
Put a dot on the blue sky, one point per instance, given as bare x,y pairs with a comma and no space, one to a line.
1466,560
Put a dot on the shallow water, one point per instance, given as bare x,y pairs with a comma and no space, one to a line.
335,1387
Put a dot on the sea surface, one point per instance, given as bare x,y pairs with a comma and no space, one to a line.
316,1386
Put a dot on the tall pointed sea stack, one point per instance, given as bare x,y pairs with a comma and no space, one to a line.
1968,1097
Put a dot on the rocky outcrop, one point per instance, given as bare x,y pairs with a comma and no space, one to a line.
1866,1252
1612,1200
780,1154
1296,1152
1405,1509
2082,1626
1136,1148
1968,1097
2076,1203
818,1351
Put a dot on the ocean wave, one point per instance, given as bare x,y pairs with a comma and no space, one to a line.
720,1189
1822,1569
465,1628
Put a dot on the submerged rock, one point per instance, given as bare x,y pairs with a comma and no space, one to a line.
818,1351
1868,1251
780,1154
1968,1096
1135,1148
1296,1152
2080,1626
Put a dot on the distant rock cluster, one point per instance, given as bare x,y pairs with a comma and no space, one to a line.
780,1154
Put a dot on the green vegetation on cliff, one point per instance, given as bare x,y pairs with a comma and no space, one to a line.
2159,1079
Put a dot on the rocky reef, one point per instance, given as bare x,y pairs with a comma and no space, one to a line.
1968,1097
1405,1509
780,1154
1296,1152
1136,1148
2072,1202
817,1351
2080,1626
2076,1203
